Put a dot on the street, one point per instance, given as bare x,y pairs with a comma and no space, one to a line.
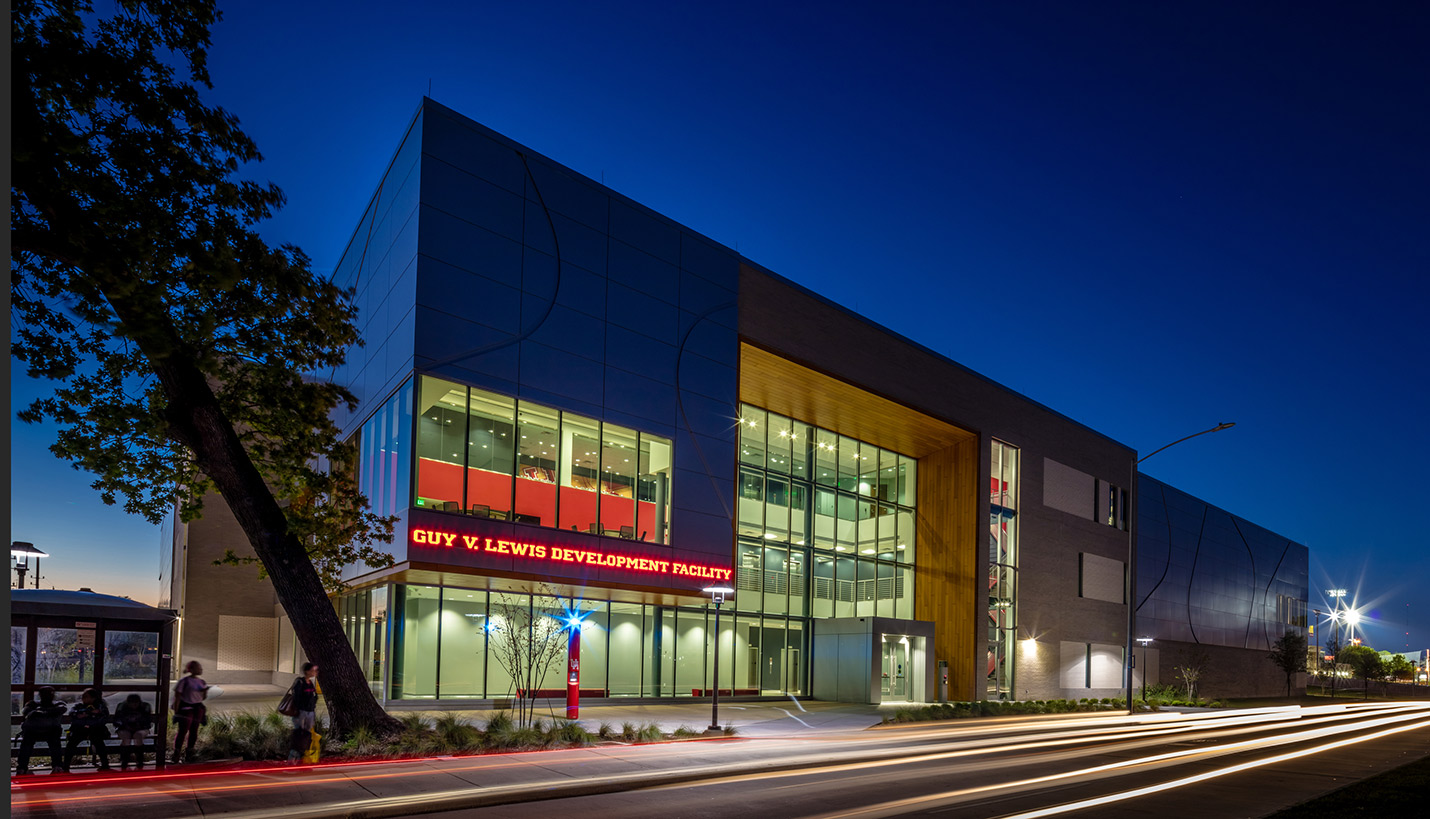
1247,762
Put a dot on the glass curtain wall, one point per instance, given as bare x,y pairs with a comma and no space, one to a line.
384,447
826,529
491,456
455,643
1002,569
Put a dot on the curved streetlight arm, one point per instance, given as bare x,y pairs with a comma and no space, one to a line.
1131,569
1218,428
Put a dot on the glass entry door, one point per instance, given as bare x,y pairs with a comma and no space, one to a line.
895,675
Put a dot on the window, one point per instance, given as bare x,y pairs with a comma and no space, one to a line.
537,434
491,449
1002,569
580,471
384,447
488,455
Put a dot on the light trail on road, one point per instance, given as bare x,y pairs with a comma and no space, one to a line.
868,756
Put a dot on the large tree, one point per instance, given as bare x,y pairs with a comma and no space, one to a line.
1364,662
185,350
1289,655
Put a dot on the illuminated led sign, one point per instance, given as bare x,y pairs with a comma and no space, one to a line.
550,553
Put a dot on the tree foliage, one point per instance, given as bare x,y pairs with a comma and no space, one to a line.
1289,654
1190,664
181,344
133,240
1364,662
1399,668
529,636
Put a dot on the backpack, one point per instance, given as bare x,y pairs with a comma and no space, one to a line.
286,706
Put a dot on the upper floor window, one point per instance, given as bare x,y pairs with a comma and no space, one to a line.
489,455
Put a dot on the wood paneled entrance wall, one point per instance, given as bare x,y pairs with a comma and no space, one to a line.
946,563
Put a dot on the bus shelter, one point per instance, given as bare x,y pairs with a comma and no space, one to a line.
74,640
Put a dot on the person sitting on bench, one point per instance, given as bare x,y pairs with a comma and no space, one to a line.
88,721
42,724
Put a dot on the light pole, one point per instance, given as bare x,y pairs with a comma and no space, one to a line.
1130,584
21,552
1317,632
1145,641
717,596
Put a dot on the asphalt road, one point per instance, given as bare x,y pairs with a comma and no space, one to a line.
1242,765
1238,763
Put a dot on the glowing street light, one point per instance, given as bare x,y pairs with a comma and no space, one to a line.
21,552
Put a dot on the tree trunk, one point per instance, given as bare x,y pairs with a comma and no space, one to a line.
197,421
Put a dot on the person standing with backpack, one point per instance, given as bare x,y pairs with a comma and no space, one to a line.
42,724
302,705
189,710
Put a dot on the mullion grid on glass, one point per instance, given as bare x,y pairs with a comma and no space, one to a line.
1003,566
636,441
868,485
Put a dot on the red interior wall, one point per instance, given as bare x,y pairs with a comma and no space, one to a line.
440,480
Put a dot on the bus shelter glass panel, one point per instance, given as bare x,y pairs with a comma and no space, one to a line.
131,657
18,653
59,658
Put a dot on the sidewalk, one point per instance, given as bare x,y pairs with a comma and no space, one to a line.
750,719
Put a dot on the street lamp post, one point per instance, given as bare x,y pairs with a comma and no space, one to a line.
1130,584
717,596
21,552
1337,599
1144,641
1317,631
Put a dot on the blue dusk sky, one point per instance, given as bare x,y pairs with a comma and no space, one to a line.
1151,217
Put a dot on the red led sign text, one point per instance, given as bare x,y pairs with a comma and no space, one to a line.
566,554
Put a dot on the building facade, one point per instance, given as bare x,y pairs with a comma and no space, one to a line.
582,412
1214,590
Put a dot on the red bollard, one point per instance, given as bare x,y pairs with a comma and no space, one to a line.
573,674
